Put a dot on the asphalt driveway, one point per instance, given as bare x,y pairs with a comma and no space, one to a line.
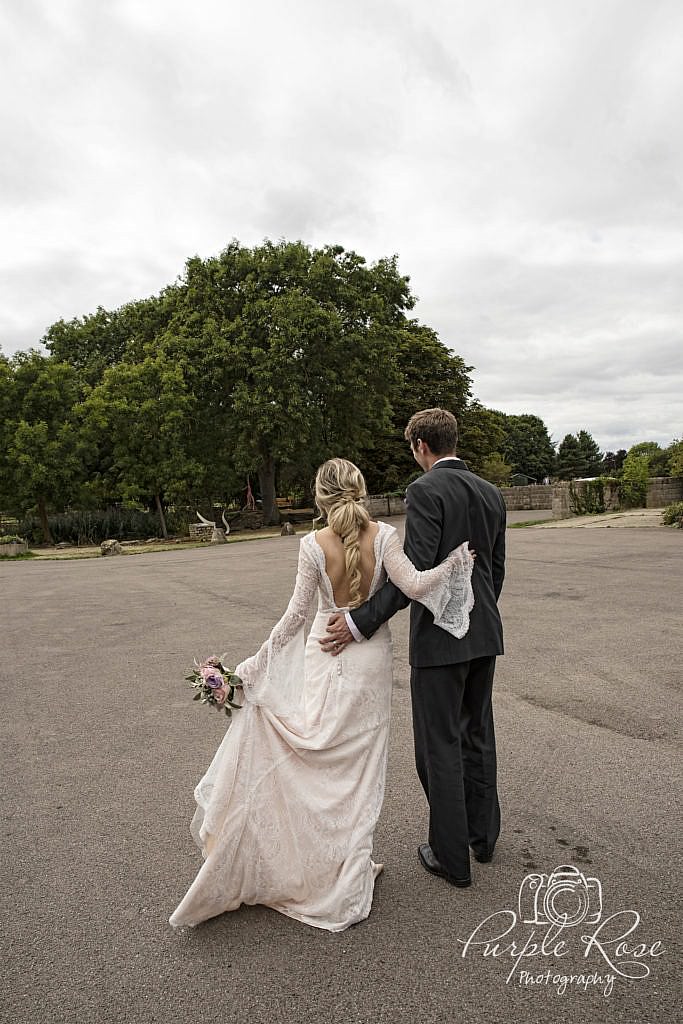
102,746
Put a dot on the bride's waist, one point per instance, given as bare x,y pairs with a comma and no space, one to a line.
322,617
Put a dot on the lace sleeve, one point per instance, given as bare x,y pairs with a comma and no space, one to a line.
278,664
445,590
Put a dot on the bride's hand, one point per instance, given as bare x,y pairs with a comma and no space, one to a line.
338,635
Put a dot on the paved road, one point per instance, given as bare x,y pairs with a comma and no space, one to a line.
101,749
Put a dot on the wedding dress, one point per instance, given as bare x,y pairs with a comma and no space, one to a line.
287,809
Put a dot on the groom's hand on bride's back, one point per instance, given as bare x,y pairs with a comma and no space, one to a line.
338,635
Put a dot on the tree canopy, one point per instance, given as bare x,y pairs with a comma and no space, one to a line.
578,456
257,363
526,445
42,445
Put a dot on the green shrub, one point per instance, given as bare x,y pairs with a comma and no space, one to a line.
673,514
11,538
94,526
589,500
633,485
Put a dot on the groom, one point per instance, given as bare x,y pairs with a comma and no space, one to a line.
451,680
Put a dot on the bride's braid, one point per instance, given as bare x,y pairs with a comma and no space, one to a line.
339,490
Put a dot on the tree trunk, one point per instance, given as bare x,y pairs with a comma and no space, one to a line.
162,518
42,512
266,476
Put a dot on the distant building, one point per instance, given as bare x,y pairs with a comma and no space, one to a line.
521,479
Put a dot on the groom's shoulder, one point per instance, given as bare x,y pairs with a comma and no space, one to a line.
420,485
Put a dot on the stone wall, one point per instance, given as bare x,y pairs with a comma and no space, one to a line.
663,491
531,496
382,505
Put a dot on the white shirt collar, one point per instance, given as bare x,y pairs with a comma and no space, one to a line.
446,458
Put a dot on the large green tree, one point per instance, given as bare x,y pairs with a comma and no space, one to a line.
657,457
94,342
578,456
146,412
482,436
612,462
571,461
427,375
527,446
43,454
591,453
311,336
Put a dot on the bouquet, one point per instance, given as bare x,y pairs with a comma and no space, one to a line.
215,684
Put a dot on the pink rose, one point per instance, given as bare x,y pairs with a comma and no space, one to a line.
211,676
220,694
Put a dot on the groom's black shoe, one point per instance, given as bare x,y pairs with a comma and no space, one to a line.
429,862
482,858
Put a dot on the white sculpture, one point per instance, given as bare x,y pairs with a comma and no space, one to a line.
217,536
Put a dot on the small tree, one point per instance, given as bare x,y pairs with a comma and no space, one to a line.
481,435
571,461
675,453
527,446
590,452
495,469
657,457
633,486
612,462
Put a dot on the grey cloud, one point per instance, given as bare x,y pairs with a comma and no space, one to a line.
526,166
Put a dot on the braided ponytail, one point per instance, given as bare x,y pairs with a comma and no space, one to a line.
339,488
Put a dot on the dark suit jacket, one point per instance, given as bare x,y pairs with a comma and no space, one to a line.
445,507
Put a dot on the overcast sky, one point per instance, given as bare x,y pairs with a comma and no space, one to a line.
523,158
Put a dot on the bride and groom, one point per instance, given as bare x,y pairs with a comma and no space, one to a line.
287,809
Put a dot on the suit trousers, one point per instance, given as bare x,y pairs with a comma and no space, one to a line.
455,756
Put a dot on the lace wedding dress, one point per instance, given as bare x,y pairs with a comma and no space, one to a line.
287,809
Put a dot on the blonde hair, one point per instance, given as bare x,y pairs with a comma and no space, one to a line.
339,490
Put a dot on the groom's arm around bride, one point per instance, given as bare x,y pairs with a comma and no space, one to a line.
451,679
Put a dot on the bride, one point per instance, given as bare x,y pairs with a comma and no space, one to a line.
287,809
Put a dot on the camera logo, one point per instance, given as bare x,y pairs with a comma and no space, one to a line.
565,897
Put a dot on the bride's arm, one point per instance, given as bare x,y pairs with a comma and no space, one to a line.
294,618
455,570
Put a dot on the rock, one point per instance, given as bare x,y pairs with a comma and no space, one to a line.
287,530
63,544
111,547
218,536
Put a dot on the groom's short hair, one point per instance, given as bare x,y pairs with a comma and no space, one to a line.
436,427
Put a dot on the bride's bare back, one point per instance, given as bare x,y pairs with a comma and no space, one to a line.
335,563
